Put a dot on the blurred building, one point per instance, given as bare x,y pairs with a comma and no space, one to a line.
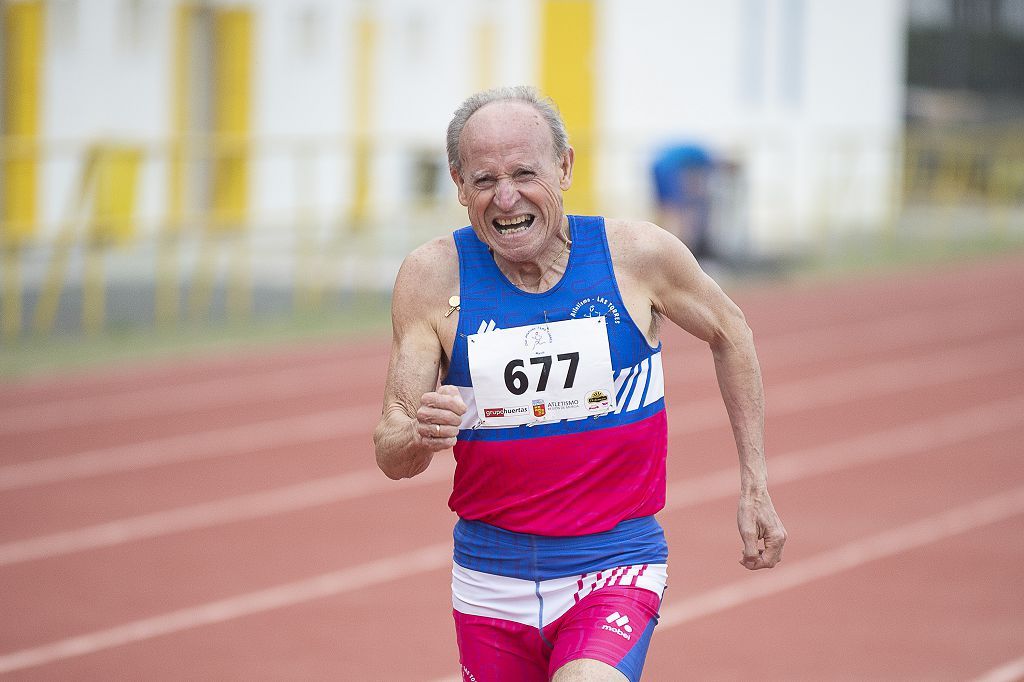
965,62
298,126
776,83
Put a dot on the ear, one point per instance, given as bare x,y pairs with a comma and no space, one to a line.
565,181
460,184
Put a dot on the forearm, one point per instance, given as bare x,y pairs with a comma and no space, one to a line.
400,452
739,379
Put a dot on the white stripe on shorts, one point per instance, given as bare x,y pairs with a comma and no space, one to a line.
477,593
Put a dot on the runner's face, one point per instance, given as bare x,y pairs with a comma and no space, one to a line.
510,182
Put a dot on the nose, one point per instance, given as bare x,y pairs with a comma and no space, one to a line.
505,194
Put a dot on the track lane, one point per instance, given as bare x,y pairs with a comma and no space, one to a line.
898,618
195,384
344,610
874,387
300,537
878,532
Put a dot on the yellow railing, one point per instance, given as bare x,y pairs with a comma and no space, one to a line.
199,269
199,257
983,170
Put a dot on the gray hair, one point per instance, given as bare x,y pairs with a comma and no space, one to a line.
545,106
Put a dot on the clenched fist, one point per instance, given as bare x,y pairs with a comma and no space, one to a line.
438,418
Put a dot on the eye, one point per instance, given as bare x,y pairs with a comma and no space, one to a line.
525,174
483,182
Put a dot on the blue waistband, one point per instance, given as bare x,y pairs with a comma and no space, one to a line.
482,547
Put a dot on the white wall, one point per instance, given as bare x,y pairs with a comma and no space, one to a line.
777,85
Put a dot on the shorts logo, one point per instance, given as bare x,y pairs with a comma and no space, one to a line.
622,622
596,400
539,409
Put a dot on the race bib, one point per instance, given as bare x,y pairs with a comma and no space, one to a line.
544,372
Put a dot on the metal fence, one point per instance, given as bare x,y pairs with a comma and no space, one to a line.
114,256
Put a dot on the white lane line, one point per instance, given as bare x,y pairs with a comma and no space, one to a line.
329,584
786,349
901,441
831,457
786,576
889,543
889,333
788,398
159,400
234,440
1010,672
872,380
314,493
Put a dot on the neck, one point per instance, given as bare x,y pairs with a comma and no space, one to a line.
539,276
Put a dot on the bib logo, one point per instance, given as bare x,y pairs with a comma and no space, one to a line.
539,409
537,339
596,400
505,411
599,306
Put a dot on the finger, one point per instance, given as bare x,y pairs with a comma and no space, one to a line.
443,432
752,562
450,400
750,548
436,436
773,549
437,415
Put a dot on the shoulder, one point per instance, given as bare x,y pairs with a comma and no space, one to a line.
431,266
430,272
639,246
656,261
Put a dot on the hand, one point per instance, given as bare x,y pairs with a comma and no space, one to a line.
758,522
438,418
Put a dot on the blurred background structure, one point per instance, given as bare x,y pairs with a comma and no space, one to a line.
184,161
215,180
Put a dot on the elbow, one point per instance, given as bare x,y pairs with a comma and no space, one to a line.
733,334
396,472
384,462
393,467
386,465
390,473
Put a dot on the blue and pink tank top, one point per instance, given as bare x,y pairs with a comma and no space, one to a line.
558,477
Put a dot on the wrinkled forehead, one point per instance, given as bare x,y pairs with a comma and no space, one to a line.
506,128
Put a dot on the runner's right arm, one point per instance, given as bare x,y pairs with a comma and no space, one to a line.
418,418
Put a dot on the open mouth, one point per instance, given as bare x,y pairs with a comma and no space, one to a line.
519,223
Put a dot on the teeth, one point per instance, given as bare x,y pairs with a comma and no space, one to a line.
519,223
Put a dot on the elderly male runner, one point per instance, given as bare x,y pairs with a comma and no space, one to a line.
543,330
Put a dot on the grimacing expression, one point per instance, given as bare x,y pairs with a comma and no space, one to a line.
511,182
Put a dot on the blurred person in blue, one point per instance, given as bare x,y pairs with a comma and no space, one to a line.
682,183
542,330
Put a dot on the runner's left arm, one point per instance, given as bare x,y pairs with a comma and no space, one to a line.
682,292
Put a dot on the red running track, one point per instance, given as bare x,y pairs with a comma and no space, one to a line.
222,519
